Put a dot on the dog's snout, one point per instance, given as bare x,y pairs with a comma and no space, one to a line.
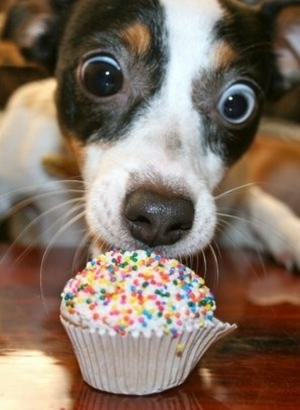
157,219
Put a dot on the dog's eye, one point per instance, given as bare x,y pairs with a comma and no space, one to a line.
237,104
101,75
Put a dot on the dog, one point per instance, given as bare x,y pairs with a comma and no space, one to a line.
159,102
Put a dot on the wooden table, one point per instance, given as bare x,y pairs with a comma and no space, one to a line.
256,367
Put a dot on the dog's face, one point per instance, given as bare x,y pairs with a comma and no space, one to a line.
157,98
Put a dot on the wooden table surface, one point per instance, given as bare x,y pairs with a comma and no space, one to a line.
256,367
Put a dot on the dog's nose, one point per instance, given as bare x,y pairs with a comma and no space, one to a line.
158,219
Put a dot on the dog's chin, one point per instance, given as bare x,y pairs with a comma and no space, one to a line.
180,250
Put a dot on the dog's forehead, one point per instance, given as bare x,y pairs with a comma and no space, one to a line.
146,16
190,27
191,15
183,21
189,12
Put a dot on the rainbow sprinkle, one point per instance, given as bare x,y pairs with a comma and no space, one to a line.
122,291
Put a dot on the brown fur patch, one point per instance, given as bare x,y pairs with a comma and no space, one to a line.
223,55
60,166
10,55
74,146
137,37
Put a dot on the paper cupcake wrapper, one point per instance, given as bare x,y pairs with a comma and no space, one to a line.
141,365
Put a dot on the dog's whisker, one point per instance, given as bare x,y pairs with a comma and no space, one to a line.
263,45
196,260
30,189
255,248
22,204
234,190
216,262
67,225
72,221
205,267
36,221
97,243
28,247
217,248
82,245
188,259
254,221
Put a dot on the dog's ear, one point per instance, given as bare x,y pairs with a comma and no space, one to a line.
61,166
283,20
35,27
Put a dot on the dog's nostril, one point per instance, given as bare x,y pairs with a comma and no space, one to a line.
157,219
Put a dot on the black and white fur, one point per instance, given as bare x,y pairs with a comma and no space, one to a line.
184,91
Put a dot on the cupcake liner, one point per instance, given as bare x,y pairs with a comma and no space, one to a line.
141,365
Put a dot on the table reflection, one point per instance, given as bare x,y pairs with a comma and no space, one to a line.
30,378
176,399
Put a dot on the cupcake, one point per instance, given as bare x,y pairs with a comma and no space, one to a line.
139,322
